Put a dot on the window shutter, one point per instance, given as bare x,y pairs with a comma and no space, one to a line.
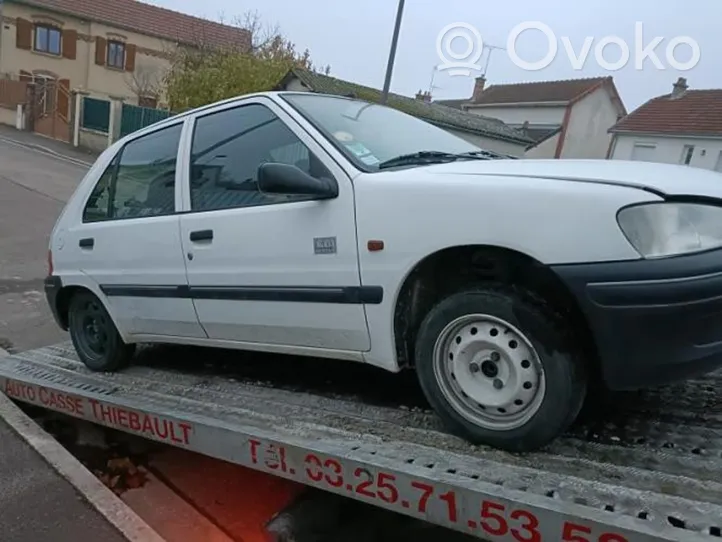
70,47
129,57
64,98
100,50
24,34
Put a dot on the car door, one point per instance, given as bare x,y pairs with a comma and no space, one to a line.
129,241
276,270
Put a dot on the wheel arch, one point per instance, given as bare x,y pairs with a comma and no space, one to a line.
85,284
449,269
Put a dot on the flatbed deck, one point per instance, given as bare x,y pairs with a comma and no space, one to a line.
649,468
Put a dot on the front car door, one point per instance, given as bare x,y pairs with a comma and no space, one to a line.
128,243
267,269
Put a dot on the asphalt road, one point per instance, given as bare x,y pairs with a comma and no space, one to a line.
37,177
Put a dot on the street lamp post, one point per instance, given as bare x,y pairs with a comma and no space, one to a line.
392,53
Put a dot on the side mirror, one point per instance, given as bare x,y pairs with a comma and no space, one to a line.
285,179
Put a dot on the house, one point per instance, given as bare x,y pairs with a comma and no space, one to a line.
484,132
101,47
683,127
566,119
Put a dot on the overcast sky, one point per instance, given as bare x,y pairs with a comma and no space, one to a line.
354,38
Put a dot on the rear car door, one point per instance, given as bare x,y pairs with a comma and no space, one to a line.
128,242
263,268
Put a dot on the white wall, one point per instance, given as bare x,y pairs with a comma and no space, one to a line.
495,145
587,133
669,149
517,115
545,149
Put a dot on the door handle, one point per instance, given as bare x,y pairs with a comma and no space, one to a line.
88,242
202,235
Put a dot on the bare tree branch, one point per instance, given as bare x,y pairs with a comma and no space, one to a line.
146,81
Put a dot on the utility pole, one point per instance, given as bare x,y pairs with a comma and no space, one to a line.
392,53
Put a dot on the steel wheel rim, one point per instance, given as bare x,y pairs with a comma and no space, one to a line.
489,372
92,330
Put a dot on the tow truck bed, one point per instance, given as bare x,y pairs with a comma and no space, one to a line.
653,475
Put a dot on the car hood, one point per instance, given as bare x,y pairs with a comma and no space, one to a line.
664,179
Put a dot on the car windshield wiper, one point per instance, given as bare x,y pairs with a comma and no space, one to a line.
436,157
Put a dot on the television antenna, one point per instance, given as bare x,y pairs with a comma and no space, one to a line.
491,49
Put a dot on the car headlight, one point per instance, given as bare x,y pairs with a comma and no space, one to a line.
657,230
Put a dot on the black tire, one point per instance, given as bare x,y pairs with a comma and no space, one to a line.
565,374
94,335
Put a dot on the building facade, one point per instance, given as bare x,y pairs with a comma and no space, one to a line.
683,127
565,119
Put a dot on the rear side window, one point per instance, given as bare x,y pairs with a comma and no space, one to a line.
140,181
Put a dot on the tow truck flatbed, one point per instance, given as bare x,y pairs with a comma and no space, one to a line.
655,475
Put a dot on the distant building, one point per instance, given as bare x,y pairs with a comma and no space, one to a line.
102,47
565,119
683,127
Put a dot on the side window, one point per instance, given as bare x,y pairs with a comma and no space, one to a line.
140,181
98,204
227,149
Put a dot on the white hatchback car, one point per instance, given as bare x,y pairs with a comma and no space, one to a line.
325,226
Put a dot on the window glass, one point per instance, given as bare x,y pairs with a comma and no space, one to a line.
143,183
229,146
369,133
116,54
98,204
47,39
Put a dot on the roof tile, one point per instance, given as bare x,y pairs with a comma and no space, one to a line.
151,20
538,92
696,112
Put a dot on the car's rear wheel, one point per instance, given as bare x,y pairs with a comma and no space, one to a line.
94,335
499,368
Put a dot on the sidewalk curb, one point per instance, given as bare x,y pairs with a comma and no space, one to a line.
111,507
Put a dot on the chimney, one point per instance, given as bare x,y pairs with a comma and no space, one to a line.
478,88
424,96
525,126
679,88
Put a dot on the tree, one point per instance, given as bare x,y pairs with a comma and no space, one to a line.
146,81
203,74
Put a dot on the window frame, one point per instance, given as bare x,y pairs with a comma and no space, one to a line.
119,46
48,28
687,154
114,162
291,123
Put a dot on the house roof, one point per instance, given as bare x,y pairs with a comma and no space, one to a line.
150,20
456,104
440,115
563,91
696,112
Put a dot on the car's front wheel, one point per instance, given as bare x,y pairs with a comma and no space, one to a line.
499,368
95,337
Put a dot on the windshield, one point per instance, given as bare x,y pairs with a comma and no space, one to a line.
370,134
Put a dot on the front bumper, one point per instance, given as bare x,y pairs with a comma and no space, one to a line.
653,321
53,285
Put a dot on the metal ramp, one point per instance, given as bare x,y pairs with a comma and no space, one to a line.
657,476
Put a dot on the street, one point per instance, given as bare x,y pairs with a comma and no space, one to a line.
36,179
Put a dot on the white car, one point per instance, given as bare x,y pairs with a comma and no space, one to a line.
324,226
